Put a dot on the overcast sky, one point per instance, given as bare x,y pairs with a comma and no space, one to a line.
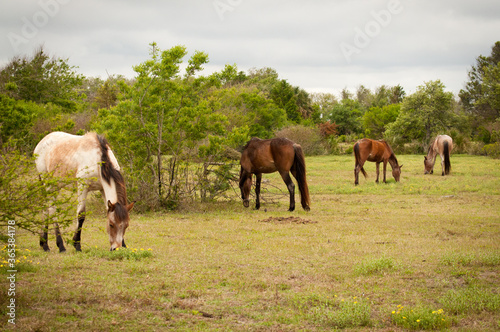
320,46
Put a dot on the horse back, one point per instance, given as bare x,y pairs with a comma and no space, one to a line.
267,156
373,150
447,139
69,155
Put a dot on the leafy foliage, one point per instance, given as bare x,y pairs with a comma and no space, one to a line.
25,196
424,113
481,95
41,79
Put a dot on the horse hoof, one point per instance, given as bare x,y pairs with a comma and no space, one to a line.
62,250
307,208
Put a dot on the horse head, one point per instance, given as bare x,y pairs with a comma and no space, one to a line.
428,165
118,219
396,172
245,186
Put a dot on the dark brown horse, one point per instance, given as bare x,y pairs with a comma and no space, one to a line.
375,151
442,145
268,156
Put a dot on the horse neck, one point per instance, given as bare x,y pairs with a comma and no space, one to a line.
431,153
393,161
113,192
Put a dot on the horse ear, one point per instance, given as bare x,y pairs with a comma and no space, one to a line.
425,158
111,206
401,166
130,206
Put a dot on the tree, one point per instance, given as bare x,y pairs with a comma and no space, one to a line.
347,116
42,80
164,121
481,94
376,119
16,119
424,113
364,96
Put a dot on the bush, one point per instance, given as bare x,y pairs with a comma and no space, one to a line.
26,196
492,150
308,137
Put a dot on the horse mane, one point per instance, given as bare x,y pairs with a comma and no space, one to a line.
393,156
108,173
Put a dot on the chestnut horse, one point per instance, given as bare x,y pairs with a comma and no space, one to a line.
375,151
268,156
88,158
442,145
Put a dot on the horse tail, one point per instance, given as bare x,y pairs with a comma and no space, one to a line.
357,156
299,164
446,152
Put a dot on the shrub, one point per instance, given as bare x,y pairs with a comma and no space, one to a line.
25,196
492,150
308,137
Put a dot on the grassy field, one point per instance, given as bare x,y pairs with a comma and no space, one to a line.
420,254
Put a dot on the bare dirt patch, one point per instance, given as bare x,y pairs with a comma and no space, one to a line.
288,220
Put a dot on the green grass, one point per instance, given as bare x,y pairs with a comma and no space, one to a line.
374,266
426,243
420,318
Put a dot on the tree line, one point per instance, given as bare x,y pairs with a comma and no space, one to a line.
177,133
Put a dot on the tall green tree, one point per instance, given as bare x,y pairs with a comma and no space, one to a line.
347,116
41,79
424,113
482,93
164,120
376,119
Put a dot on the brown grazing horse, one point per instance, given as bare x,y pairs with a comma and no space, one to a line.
442,145
375,151
89,158
268,156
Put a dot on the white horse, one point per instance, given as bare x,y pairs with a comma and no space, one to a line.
442,145
90,159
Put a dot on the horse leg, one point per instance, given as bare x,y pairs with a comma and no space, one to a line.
82,196
378,171
356,175
291,188
357,168
59,240
258,179
44,238
385,169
